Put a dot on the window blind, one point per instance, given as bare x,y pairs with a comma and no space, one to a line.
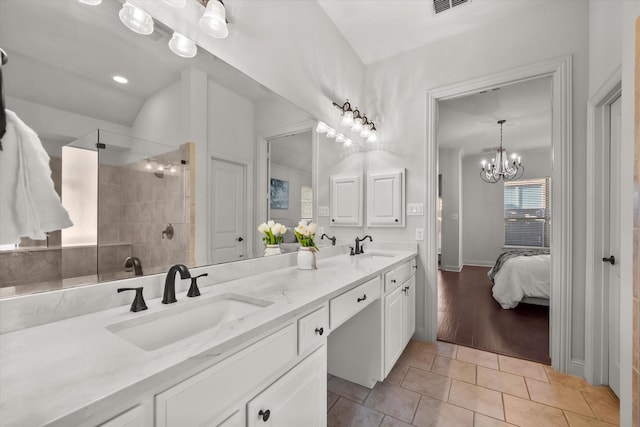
527,213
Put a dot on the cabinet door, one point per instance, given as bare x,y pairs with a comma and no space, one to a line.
299,398
409,297
346,200
385,198
393,327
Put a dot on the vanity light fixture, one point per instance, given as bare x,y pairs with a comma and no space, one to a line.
331,133
176,3
182,46
136,19
322,127
214,19
340,139
357,121
91,2
120,79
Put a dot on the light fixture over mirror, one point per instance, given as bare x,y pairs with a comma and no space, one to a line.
357,121
136,19
182,46
214,19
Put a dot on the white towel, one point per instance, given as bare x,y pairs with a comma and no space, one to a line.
29,204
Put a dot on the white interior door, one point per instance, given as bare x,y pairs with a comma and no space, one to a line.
228,201
614,249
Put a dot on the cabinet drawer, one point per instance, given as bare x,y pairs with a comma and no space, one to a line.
398,275
203,397
342,307
313,329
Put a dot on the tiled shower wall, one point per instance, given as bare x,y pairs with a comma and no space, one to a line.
138,207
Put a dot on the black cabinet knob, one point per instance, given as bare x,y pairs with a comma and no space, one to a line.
393,280
265,415
239,239
363,298
611,259
333,220
396,219
319,331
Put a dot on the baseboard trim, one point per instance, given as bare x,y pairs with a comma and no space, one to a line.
479,263
421,335
455,268
576,368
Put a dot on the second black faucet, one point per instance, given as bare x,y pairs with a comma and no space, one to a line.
360,249
170,282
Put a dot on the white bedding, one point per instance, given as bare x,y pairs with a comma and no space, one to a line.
523,276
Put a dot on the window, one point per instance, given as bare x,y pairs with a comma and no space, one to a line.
306,200
527,216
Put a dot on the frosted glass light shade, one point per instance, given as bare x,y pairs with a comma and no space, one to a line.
91,2
175,3
357,125
214,20
322,127
182,46
136,19
347,118
331,133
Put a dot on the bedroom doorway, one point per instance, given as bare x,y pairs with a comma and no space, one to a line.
480,221
561,313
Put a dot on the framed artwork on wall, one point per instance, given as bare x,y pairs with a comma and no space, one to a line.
279,194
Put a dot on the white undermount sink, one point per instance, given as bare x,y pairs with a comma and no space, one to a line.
156,330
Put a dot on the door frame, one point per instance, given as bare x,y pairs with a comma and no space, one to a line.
247,230
560,71
262,184
596,367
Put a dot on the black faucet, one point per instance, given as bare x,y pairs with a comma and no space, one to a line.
360,249
170,282
133,262
138,303
333,239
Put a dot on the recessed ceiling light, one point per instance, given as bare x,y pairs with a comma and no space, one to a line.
121,80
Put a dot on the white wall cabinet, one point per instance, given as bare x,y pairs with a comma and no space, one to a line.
385,198
345,200
297,399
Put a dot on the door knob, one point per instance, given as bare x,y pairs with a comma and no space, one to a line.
264,414
239,239
611,259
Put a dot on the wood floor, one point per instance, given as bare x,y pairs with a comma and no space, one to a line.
468,315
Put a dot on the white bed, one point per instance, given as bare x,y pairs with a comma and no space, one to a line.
525,278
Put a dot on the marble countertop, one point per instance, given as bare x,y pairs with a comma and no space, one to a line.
71,371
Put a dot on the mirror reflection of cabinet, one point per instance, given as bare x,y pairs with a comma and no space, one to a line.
385,198
346,200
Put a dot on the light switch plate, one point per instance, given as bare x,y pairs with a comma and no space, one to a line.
419,234
323,210
415,209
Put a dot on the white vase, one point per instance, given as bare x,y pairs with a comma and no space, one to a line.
307,259
272,250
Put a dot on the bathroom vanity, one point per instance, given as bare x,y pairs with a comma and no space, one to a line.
250,351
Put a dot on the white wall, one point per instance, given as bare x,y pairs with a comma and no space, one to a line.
399,86
160,118
483,206
605,41
449,166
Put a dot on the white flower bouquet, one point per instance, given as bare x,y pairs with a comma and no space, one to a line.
273,232
306,234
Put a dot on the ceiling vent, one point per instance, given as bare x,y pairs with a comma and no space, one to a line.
444,5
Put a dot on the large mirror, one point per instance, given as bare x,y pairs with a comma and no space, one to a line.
160,169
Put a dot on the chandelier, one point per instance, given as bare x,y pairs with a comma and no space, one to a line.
500,167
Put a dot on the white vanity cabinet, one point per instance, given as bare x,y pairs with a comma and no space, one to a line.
134,417
298,398
345,200
385,198
399,312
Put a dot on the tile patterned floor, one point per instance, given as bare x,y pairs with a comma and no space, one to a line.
445,385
